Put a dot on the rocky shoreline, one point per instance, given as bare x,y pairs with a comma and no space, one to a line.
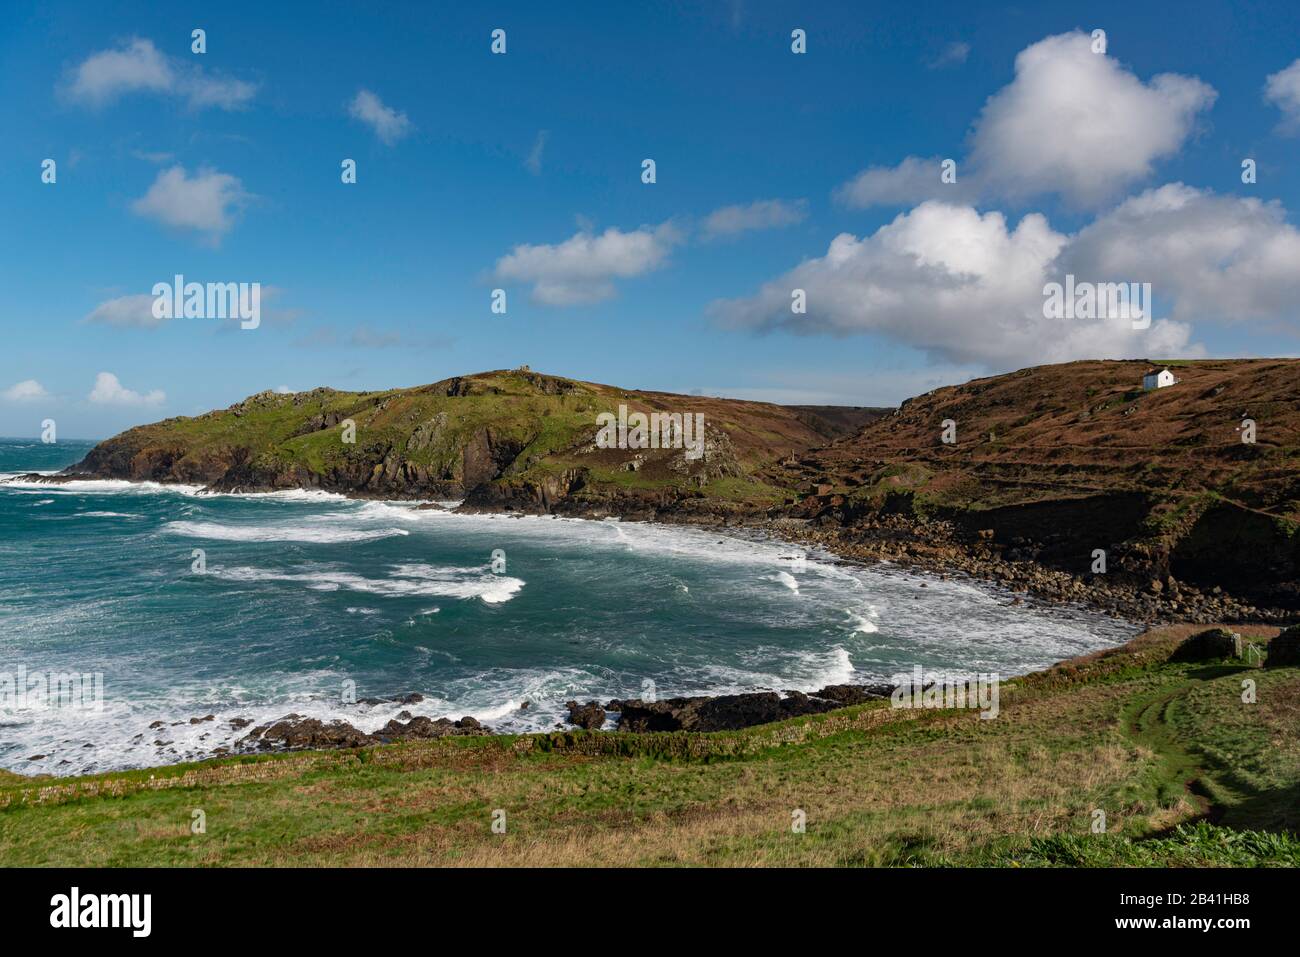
934,547
1155,599
1141,595
729,712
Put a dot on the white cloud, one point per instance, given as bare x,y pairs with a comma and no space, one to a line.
29,390
534,161
206,202
965,287
1283,90
1219,258
137,66
760,214
126,311
954,54
109,391
224,92
1072,122
582,269
389,125
912,181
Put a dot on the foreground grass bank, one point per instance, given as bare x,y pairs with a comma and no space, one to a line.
1185,771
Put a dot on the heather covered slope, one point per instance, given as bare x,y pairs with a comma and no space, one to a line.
532,433
1056,461
1088,427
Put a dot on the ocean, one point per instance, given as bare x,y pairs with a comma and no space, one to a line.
301,597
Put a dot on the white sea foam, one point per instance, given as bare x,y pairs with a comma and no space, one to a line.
788,580
124,486
73,742
104,486
407,580
831,668
862,624
279,533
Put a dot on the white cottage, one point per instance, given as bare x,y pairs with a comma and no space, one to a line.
1158,380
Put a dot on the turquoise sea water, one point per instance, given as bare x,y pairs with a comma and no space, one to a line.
303,592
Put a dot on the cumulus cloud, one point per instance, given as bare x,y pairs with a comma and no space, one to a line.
1220,258
137,66
109,391
1283,90
206,202
968,287
582,269
1072,122
126,311
389,124
29,390
760,214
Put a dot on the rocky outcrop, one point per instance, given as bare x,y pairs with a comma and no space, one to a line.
294,732
733,712
589,716
540,496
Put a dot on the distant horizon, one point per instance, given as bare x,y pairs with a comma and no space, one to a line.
1149,362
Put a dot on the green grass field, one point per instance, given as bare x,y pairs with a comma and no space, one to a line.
1186,773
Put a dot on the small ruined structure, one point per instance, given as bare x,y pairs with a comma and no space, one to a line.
1209,645
1284,650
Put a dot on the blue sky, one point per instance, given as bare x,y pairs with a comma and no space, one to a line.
522,171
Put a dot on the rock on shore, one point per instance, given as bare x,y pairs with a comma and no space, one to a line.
732,712
294,732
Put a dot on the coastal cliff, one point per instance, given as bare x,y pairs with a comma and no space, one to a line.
1069,480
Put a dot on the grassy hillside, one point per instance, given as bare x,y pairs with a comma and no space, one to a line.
535,431
1187,774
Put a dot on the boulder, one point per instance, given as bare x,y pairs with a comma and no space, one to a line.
294,734
846,695
590,716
